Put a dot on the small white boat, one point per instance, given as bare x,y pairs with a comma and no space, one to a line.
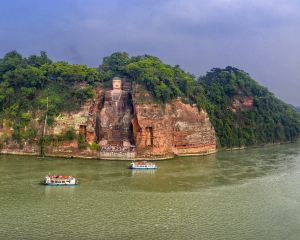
58,180
142,165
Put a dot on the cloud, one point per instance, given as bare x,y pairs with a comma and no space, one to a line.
204,10
261,37
233,16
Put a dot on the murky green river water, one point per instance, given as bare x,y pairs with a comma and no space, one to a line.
249,194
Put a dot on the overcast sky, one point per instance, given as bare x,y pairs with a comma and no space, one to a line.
261,37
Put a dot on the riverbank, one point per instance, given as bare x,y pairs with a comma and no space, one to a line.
256,146
97,156
141,158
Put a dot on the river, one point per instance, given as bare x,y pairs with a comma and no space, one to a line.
246,194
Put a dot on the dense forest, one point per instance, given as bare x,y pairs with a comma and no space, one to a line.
27,85
269,120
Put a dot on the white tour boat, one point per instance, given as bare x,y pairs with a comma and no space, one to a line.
142,165
58,180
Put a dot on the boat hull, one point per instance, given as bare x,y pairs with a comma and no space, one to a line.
144,165
59,180
57,184
143,168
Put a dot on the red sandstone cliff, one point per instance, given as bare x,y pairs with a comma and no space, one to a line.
117,119
178,129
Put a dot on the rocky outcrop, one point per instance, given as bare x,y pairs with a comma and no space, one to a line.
241,101
193,131
152,128
83,122
176,129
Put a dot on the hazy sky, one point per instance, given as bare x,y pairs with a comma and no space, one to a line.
262,37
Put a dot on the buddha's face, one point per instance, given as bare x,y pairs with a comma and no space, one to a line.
116,84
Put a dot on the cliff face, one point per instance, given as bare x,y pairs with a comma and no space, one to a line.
84,124
82,121
122,127
178,129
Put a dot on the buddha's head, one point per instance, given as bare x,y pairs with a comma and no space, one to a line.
117,83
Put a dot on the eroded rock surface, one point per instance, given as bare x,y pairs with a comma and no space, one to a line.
241,101
177,129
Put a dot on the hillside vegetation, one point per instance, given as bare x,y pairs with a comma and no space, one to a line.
26,83
269,120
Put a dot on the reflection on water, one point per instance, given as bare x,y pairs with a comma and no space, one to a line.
247,194
142,172
53,191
